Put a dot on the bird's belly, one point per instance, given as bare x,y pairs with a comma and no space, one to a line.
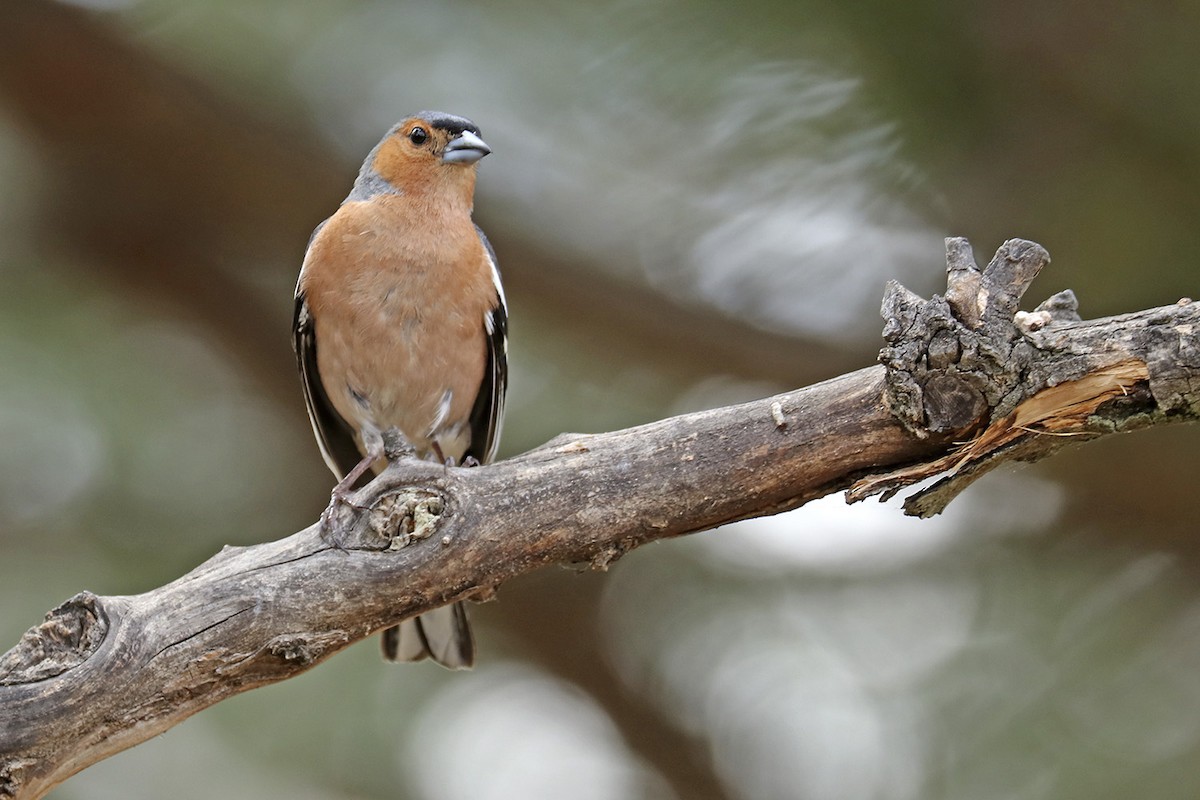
418,371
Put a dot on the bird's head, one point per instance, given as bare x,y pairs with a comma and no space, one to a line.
429,151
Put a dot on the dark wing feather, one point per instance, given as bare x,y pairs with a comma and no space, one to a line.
334,434
488,411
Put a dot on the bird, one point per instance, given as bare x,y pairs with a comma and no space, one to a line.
400,331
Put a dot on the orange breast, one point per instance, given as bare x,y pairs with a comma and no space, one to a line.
398,291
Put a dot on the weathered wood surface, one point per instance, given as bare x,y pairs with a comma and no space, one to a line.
967,382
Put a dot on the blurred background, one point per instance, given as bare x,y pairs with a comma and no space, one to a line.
694,203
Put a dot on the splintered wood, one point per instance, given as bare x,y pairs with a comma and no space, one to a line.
1062,410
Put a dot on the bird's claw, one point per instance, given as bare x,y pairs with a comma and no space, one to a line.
328,524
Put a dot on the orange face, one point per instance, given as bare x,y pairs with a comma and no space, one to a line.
415,158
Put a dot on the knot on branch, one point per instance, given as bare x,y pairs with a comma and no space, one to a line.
952,359
401,518
1020,385
67,636
394,520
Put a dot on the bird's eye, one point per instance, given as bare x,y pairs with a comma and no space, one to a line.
418,135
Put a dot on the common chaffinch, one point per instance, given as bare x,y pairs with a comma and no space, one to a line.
401,330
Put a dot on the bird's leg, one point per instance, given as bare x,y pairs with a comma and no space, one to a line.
390,445
447,463
341,492
340,495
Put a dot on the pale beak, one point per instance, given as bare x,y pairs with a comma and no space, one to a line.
466,148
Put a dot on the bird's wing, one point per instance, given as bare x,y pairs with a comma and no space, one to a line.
488,411
334,435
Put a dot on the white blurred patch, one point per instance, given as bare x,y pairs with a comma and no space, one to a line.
829,535
788,723
509,731
800,646
800,692
805,225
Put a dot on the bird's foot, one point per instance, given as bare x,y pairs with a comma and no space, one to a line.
332,521
396,447
339,497
327,528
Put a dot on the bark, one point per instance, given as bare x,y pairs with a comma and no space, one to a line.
966,382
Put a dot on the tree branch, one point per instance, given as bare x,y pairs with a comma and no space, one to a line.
967,382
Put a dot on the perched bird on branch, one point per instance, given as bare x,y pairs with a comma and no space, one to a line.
401,329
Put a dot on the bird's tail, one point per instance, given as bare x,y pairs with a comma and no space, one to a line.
443,634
